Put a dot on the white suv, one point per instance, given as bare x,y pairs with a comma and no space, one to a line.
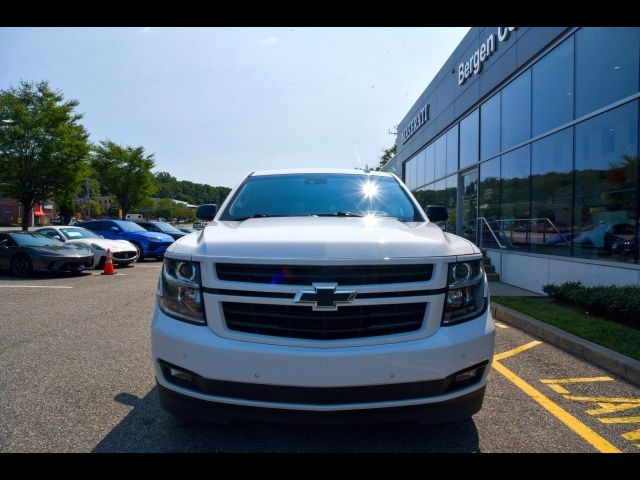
322,295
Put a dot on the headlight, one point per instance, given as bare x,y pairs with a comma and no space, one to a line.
465,297
97,247
180,295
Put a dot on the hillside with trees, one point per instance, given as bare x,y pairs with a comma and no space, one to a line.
190,192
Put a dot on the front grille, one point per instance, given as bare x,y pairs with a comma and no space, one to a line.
294,321
308,274
124,255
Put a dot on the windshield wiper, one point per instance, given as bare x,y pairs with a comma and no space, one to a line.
256,215
337,214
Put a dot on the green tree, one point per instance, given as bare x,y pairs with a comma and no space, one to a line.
125,172
43,149
387,154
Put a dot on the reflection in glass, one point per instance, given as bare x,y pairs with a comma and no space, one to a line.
515,192
429,176
469,131
552,193
441,156
606,66
516,111
452,150
606,164
469,205
451,185
490,127
489,201
552,89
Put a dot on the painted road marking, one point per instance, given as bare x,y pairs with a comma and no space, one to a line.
515,351
500,325
635,435
553,383
590,436
32,286
603,399
620,420
612,408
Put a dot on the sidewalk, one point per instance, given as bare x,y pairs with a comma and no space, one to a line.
506,290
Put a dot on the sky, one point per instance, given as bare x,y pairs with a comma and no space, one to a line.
214,104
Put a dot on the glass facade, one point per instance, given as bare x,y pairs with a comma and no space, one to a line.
548,163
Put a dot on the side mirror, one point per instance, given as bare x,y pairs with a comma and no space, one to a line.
437,213
58,237
114,229
207,212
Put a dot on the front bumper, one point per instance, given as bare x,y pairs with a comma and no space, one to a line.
431,359
62,264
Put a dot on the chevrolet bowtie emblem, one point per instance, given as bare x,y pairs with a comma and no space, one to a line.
325,296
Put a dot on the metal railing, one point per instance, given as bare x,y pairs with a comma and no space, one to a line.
504,237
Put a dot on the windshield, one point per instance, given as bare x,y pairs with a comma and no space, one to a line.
339,195
130,227
75,233
27,239
166,228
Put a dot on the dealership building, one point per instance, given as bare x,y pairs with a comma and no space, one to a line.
529,136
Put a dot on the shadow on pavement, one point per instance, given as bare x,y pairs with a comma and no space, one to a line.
148,428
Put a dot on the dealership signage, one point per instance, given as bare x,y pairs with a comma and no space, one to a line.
416,122
473,66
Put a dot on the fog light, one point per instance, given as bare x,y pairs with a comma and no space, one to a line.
468,375
174,372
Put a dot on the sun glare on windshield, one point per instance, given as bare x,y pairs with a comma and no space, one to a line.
369,189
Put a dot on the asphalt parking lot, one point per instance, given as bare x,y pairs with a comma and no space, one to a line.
76,376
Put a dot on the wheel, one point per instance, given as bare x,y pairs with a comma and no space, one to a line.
139,250
21,265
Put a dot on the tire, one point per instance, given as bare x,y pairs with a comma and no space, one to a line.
139,249
21,265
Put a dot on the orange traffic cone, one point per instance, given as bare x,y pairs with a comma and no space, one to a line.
108,265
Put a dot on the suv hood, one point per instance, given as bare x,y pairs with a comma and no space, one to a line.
322,238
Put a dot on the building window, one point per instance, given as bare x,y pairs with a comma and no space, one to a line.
440,193
451,185
516,111
469,139
410,174
552,89
420,168
430,164
606,66
452,150
489,205
441,156
606,179
490,127
552,193
515,194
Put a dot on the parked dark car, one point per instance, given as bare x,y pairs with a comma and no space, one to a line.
161,227
148,244
26,252
186,230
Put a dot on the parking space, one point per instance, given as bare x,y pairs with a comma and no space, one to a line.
77,376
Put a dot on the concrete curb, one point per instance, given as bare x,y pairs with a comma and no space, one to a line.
615,362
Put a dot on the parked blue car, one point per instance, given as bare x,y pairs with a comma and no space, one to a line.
148,244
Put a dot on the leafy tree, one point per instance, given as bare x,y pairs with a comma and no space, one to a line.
43,149
190,192
387,154
125,172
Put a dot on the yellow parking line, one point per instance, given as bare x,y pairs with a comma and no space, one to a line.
517,350
500,325
603,399
558,388
620,420
593,438
612,408
635,435
577,380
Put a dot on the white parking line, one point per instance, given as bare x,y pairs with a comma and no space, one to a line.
32,286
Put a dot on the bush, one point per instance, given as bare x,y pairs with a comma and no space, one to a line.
616,303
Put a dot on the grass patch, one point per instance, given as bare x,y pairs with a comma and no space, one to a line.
612,335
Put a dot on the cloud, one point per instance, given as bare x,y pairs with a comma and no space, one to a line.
147,29
268,41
